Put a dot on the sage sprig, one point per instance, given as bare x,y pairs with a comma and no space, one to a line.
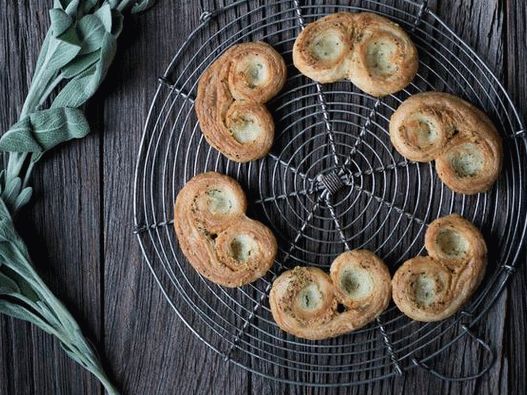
24,295
74,59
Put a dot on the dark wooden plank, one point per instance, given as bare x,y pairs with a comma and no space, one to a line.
516,82
149,349
61,226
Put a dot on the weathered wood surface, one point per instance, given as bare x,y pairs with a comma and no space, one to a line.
79,226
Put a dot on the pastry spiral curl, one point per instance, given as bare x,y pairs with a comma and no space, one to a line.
304,301
216,236
373,52
463,141
432,288
231,97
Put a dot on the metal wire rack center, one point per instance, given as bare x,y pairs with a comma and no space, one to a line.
331,182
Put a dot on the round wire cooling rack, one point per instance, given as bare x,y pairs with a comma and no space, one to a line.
331,182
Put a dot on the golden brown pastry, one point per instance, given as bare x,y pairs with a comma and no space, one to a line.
371,51
219,241
304,301
462,140
432,288
231,97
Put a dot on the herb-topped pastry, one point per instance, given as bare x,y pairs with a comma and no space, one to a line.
371,51
432,288
216,236
305,301
231,97
461,138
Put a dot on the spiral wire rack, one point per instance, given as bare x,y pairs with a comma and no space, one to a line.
331,182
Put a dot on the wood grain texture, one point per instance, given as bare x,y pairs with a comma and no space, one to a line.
79,228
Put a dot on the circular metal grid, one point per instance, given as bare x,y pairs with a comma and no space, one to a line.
332,181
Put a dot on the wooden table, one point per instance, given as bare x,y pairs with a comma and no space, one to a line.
79,226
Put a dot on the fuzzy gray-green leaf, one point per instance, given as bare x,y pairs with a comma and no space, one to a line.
80,64
15,139
73,7
12,189
62,50
23,198
22,286
82,87
43,52
70,6
21,313
60,21
43,130
87,5
7,232
7,285
91,32
104,13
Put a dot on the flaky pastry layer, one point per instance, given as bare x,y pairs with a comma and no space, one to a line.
305,300
458,136
231,97
371,51
216,236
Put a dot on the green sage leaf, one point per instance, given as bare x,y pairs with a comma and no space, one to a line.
70,6
13,139
7,285
77,91
43,130
75,355
80,64
23,287
22,313
56,52
81,88
48,314
87,5
91,32
18,312
23,198
60,21
7,231
61,51
104,13
63,4
18,260
12,189
43,52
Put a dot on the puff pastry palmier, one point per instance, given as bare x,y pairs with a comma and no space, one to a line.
371,51
432,288
461,138
216,236
304,301
231,97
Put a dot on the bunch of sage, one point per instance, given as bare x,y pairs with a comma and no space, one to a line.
75,56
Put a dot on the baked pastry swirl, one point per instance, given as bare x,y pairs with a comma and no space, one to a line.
432,288
216,236
231,97
305,300
373,52
462,140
